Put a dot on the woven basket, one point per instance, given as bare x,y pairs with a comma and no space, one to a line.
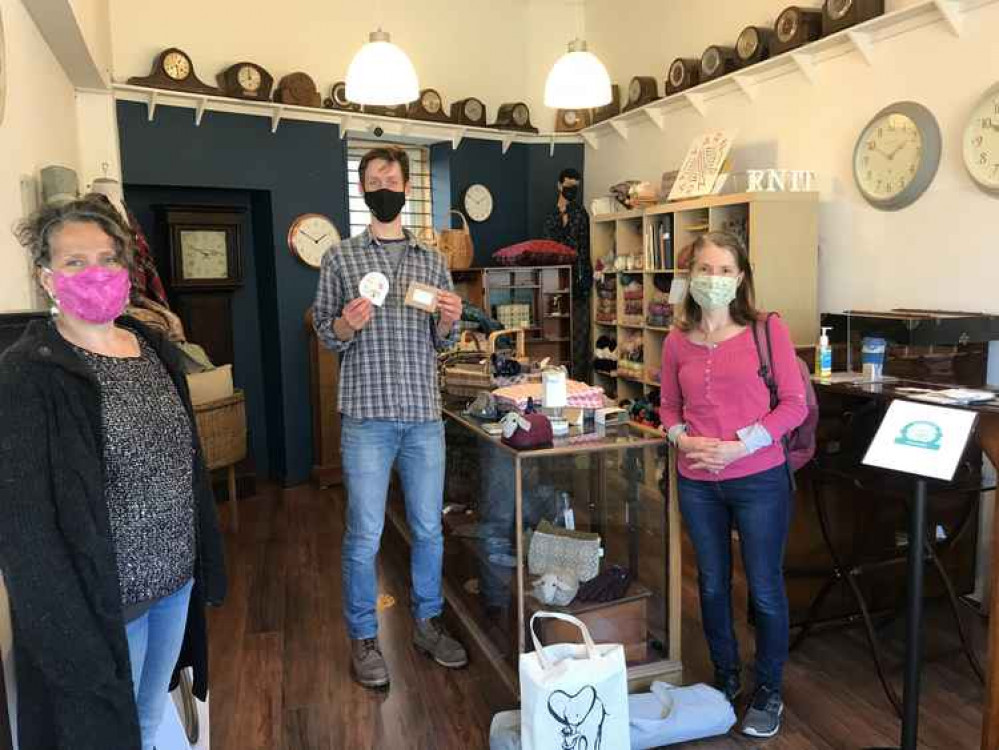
222,429
456,244
472,372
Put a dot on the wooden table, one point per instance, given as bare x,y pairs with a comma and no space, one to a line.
987,431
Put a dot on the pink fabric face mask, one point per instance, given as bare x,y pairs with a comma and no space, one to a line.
97,295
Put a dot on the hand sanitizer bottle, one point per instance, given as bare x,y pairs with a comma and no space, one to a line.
823,355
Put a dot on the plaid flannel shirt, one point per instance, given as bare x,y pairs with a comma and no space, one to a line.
388,370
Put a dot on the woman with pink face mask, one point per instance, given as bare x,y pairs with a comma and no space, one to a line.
109,540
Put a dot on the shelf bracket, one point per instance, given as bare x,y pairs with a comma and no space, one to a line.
551,147
862,43
591,140
456,138
951,16
748,87
199,112
805,65
151,105
657,117
697,102
507,140
621,128
276,117
345,127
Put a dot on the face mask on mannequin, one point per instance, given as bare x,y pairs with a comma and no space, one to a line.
96,295
385,204
714,292
570,192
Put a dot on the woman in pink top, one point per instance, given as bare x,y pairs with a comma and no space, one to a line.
733,474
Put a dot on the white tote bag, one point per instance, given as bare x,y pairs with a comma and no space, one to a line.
573,696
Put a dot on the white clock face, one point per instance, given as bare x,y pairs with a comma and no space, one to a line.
520,115
787,25
635,90
839,8
981,142
311,236
888,156
249,78
177,66
570,117
473,110
749,41
676,73
478,203
432,102
710,61
203,253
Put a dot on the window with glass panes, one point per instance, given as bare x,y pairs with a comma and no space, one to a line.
418,212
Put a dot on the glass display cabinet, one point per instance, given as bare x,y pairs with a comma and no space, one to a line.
610,481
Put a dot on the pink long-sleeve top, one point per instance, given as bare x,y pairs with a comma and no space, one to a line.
717,391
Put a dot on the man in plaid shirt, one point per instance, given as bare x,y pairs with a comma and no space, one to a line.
391,410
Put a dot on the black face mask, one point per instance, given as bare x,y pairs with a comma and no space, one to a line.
570,192
385,204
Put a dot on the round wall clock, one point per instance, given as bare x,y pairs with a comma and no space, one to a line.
897,155
981,142
310,236
478,203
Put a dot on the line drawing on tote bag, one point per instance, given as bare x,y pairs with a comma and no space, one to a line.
582,718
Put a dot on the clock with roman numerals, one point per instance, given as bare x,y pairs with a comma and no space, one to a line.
897,155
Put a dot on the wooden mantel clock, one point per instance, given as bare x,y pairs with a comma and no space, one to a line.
173,69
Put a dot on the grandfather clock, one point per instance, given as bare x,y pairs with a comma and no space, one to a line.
205,268
324,381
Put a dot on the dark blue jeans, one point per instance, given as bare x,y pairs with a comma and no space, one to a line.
759,506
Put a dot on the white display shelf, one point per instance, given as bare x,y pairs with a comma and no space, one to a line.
861,39
350,123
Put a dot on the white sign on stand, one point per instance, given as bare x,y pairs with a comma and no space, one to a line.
920,439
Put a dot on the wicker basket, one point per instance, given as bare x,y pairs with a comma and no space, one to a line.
222,429
456,244
472,372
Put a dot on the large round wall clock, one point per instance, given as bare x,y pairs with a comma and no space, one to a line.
310,236
981,142
897,155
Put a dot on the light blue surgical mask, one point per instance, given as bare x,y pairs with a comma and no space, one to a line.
713,292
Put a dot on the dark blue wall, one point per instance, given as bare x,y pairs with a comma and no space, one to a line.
302,168
522,182
248,365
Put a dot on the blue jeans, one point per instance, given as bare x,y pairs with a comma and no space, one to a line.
154,642
759,506
370,448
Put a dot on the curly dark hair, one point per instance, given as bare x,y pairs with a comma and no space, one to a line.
35,232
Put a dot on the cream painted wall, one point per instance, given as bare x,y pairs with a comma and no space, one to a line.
93,18
938,253
38,129
482,48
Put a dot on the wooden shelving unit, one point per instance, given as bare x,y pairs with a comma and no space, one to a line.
782,233
548,291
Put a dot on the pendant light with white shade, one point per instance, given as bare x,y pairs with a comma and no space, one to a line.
578,80
381,74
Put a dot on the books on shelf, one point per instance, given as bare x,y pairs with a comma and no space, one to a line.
659,244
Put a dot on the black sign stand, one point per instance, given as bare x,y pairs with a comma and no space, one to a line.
913,620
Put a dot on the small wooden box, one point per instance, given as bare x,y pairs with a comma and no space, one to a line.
623,621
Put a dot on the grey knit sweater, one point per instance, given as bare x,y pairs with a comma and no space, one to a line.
148,471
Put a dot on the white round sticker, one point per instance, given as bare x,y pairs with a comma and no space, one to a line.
374,287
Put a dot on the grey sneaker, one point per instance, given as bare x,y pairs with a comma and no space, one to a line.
764,714
368,664
432,639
